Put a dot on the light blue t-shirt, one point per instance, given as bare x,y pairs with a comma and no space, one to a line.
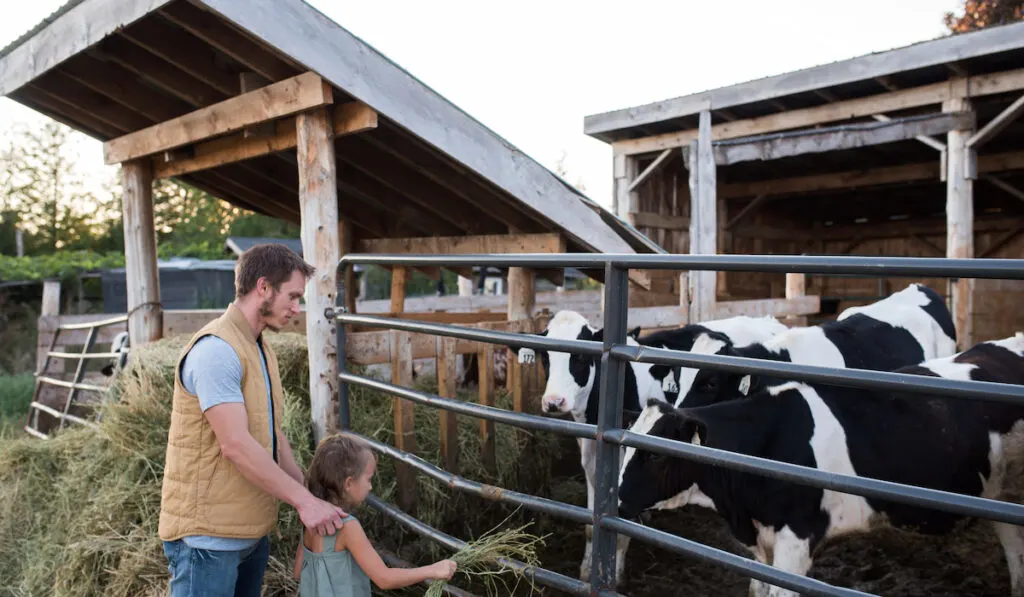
213,371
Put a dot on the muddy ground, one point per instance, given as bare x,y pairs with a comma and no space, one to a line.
901,564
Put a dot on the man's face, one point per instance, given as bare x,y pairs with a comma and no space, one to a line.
279,306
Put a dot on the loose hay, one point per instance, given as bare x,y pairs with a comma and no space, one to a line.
79,512
485,559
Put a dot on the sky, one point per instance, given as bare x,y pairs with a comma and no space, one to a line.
531,70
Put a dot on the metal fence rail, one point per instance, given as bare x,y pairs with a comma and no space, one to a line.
615,354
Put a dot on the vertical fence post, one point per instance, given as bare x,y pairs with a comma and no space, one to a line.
606,499
344,421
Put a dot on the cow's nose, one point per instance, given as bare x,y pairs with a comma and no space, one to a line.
553,403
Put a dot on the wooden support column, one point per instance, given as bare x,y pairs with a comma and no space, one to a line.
723,245
626,202
488,445
405,418
960,164
796,287
145,315
703,225
346,244
398,279
318,202
522,298
446,388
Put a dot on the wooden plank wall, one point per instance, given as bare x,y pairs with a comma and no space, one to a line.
998,312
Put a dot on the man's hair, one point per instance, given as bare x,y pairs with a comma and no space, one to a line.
272,261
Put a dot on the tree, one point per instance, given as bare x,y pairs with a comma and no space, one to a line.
42,185
979,14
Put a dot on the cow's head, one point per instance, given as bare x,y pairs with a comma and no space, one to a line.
652,481
570,377
695,387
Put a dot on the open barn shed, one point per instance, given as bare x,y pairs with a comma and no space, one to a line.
275,108
916,151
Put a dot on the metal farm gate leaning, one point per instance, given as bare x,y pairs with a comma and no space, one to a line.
609,434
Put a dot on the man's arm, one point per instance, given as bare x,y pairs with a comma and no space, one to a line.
231,427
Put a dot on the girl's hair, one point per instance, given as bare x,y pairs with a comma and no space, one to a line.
337,458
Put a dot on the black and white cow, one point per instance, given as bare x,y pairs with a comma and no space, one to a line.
573,381
905,328
973,447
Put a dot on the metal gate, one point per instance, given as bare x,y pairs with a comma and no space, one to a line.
609,434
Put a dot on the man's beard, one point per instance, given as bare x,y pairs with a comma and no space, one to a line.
266,310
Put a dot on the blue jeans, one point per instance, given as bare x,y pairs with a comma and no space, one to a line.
202,572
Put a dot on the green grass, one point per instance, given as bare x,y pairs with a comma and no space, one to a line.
15,396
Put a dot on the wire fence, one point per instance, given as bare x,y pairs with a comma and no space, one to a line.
609,434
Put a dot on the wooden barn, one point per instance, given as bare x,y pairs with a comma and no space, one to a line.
917,151
275,108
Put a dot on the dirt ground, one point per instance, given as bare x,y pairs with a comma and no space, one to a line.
889,562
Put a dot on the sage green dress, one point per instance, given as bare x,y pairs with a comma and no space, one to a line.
332,573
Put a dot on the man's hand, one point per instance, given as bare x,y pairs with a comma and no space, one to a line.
320,516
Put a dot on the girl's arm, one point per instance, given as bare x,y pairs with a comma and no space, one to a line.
389,578
297,570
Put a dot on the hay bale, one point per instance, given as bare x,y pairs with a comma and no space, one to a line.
79,513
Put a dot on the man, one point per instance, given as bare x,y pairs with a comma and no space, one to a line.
228,463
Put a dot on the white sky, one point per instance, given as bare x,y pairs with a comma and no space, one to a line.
531,70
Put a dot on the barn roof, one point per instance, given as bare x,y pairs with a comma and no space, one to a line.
108,68
978,52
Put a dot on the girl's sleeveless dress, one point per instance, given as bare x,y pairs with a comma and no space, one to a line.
332,573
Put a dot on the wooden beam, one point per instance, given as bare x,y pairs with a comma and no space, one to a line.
349,118
863,68
251,81
653,220
787,307
747,210
960,219
929,141
904,228
399,277
447,388
924,242
649,170
467,245
274,101
81,27
346,243
166,41
207,27
169,78
51,298
1005,186
997,124
318,200
145,314
893,101
703,226
838,138
852,179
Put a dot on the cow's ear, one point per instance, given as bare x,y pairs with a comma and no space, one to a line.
635,333
681,426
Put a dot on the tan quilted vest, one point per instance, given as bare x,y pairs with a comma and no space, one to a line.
203,492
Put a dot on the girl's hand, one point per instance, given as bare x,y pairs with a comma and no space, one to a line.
443,570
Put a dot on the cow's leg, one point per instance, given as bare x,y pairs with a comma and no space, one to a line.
791,554
1012,538
763,554
588,458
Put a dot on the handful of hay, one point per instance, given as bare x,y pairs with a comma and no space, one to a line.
487,559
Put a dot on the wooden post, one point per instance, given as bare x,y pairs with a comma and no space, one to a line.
626,203
19,242
521,302
485,367
960,219
145,316
405,418
398,278
796,287
51,298
346,244
723,245
318,202
446,388
703,225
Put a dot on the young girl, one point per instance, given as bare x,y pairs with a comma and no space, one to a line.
343,564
